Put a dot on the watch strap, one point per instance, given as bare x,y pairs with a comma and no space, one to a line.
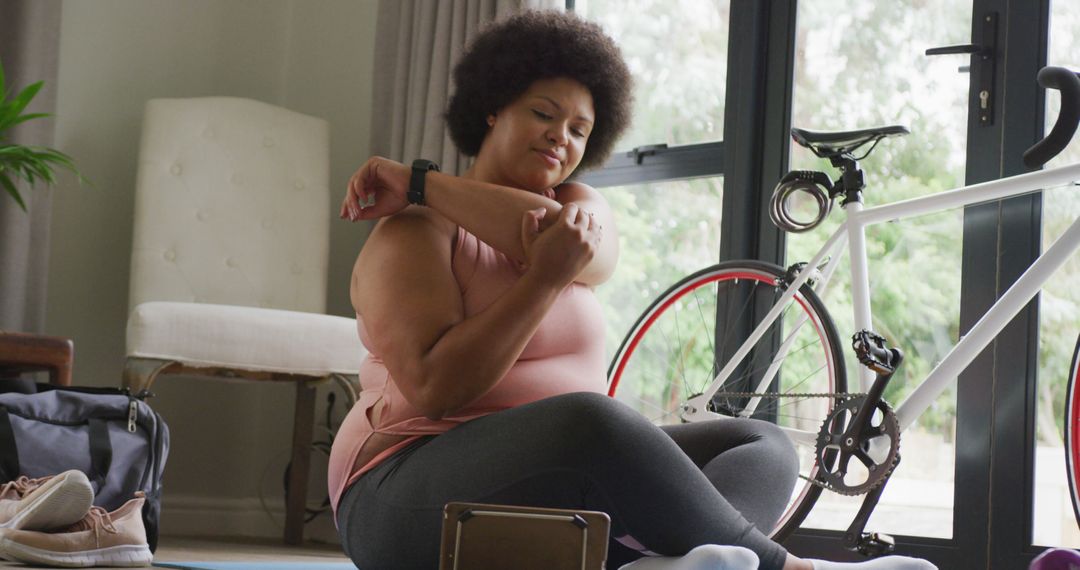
420,168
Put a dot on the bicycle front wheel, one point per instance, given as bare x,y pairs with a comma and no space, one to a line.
679,344
1072,431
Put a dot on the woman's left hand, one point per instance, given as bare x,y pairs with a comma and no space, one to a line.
377,190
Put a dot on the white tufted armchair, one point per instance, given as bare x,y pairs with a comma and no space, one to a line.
229,259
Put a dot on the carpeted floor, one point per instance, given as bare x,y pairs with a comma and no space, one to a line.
257,553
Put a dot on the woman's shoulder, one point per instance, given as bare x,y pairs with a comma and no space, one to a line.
416,231
410,240
574,191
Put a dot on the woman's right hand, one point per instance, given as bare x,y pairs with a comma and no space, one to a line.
378,189
558,253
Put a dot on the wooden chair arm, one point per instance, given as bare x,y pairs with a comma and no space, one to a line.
23,352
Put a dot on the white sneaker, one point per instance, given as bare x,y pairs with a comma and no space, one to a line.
704,557
47,503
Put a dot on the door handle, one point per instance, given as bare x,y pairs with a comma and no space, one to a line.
946,50
984,65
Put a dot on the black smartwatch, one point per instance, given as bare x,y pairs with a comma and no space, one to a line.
420,168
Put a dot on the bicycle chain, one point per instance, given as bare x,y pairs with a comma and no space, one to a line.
773,395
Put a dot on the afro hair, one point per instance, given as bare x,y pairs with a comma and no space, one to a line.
508,56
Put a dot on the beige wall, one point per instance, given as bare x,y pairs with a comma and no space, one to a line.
311,56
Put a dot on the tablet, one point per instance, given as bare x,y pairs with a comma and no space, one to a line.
495,537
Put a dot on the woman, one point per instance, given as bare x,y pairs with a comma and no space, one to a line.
485,378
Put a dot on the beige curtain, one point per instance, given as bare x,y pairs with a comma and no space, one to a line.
417,44
29,51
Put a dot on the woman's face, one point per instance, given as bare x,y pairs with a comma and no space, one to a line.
537,141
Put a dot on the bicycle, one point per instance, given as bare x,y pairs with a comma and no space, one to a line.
780,369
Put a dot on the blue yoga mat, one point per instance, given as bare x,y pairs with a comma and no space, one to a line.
257,565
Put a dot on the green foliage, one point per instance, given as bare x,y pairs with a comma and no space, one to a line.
677,52
31,163
666,231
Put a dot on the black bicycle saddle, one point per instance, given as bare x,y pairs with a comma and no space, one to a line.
834,143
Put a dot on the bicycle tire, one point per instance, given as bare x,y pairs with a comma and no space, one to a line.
736,280
1072,431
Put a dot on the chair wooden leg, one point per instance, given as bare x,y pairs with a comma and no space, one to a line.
139,373
303,424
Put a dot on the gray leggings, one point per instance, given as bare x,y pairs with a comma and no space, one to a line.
670,488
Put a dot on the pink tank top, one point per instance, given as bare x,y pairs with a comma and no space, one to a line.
566,354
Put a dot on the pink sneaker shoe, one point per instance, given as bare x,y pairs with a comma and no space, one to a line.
17,489
45,503
100,539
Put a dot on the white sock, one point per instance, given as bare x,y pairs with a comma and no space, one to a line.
704,557
884,563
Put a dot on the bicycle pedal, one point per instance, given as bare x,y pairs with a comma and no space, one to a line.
874,544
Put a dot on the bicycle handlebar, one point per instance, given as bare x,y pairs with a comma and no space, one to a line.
1068,83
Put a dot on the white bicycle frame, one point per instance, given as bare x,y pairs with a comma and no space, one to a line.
853,232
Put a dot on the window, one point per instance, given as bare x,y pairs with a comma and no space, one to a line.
667,195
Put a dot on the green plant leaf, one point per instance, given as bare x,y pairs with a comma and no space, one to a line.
45,172
6,183
36,166
32,164
26,95
31,171
15,152
24,172
43,155
54,154
66,163
27,118
11,150
15,108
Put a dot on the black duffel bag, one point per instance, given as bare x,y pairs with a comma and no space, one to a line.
108,433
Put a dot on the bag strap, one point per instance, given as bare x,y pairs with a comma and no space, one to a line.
9,451
100,452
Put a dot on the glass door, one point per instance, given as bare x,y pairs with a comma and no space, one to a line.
866,66
1053,521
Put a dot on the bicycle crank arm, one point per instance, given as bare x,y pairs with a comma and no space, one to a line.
872,353
871,544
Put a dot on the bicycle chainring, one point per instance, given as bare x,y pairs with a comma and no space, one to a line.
877,463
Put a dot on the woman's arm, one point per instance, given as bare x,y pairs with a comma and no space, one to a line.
403,287
488,211
590,200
